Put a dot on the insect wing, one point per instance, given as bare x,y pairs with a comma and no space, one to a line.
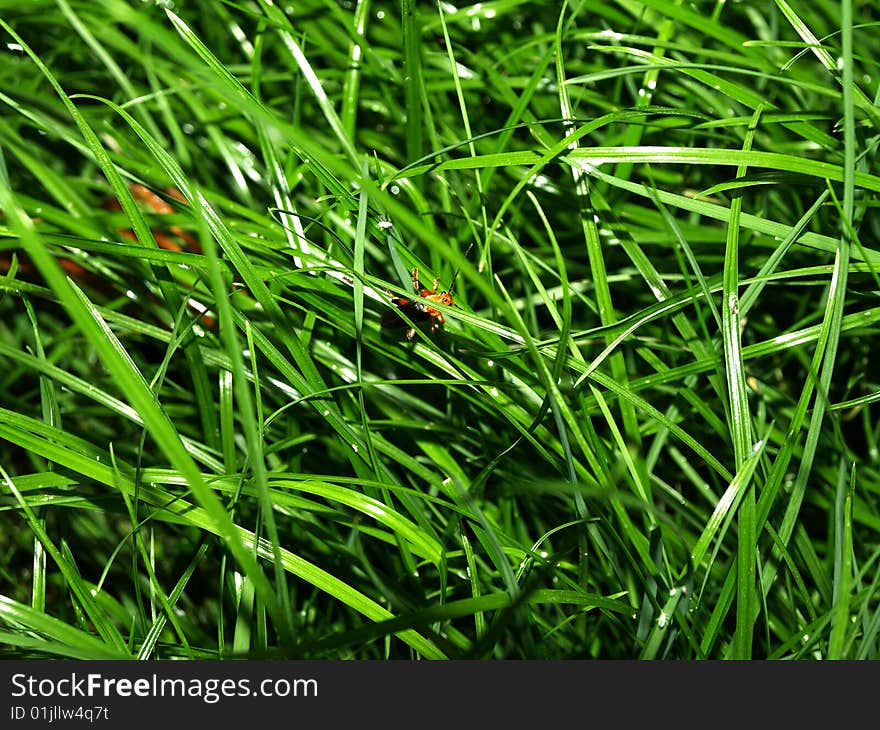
417,311
392,319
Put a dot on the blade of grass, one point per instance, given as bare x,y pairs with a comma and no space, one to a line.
843,564
741,428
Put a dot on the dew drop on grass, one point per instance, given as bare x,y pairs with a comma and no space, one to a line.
662,620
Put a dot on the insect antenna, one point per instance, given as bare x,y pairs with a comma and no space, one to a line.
455,275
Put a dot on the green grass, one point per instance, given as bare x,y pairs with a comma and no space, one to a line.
648,428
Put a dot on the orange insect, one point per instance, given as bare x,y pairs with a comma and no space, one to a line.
418,310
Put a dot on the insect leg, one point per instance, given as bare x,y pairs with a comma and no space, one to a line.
436,320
